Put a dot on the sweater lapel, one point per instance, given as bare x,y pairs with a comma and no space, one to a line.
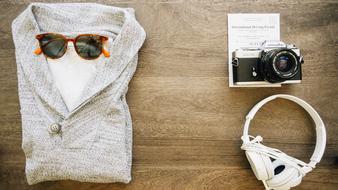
124,48
35,68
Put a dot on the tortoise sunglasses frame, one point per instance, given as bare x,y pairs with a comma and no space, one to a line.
40,49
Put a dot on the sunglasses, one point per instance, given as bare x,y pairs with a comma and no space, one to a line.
87,46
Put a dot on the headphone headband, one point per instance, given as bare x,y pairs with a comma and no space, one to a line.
320,127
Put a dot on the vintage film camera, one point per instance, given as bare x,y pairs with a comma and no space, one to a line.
273,62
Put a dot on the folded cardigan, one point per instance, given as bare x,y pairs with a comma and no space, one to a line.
93,141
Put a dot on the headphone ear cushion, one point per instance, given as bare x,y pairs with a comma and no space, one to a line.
285,176
296,181
261,165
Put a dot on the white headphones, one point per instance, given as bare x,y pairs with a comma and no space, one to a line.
276,169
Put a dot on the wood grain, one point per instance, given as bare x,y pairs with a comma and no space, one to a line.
187,122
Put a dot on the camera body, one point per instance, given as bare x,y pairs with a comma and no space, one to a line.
273,62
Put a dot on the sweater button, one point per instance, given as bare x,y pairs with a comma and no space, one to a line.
54,128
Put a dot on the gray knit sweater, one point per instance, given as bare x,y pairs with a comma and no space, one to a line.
93,142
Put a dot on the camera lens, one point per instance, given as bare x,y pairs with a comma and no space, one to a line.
283,63
279,65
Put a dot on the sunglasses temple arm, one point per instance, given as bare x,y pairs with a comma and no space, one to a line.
37,51
105,52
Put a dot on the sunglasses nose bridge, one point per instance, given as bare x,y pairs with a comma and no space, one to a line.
72,40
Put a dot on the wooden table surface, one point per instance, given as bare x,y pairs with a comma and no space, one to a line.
187,122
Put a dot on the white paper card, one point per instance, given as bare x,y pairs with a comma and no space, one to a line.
249,31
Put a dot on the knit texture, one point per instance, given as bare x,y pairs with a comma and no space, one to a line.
94,143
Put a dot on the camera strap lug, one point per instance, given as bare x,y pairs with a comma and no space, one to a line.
235,62
301,60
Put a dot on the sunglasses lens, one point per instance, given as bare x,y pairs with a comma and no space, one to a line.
89,47
53,45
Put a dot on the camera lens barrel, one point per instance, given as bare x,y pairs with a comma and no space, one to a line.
278,65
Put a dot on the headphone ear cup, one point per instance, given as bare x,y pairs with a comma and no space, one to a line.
260,164
285,176
268,166
296,181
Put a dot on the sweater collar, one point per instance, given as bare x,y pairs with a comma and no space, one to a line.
117,23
